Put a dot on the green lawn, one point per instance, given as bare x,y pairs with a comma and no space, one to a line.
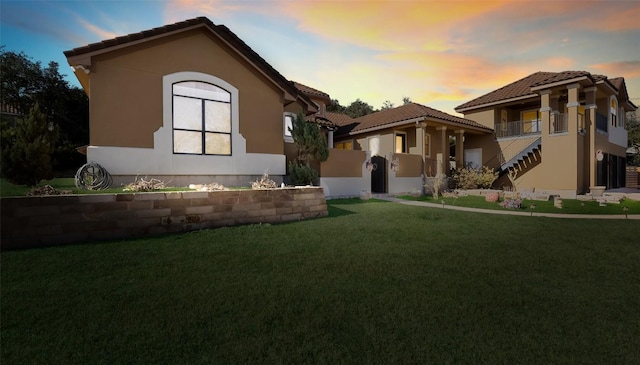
375,282
570,206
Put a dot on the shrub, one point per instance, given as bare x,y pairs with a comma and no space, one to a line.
263,183
27,149
511,203
302,174
46,190
492,197
469,178
142,185
434,184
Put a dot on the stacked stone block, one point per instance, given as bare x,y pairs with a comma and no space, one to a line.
54,220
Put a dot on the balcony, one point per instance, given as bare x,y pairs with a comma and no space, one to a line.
558,123
602,123
520,128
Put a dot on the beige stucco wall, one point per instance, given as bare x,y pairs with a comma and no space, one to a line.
484,117
126,91
343,163
408,165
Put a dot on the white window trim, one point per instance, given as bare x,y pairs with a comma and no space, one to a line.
286,134
427,136
613,111
395,136
160,160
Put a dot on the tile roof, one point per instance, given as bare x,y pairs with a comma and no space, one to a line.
522,89
408,113
562,76
311,91
339,119
221,30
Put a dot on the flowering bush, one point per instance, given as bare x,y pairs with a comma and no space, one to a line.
469,178
492,197
511,203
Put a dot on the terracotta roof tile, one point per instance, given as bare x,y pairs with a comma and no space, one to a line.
339,119
311,91
407,112
562,76
520,88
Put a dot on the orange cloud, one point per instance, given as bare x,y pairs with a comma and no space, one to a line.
101,33
627,69
384,25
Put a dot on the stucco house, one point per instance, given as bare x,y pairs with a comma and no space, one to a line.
556,132
188,102
409,143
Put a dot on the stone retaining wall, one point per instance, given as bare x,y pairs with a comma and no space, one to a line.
55,220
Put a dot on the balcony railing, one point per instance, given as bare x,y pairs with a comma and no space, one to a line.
558,123
602,122
518,128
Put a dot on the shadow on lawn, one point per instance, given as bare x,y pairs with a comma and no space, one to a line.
334,211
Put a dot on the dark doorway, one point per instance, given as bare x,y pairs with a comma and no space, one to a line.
379,174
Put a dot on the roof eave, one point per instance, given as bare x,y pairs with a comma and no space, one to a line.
560,83
498,102
389,125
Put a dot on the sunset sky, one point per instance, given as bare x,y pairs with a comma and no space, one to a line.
438,53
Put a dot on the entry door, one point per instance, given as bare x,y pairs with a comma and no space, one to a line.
379,174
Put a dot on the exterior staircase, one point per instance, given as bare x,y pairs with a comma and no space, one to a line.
532,151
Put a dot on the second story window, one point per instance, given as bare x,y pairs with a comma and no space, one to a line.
614,112
401,142
288,126
530,121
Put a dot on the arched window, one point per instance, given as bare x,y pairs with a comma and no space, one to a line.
201,119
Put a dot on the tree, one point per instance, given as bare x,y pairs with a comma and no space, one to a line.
26,159
358,109
633,134
387,105
311,147
406,100
25,82
335,106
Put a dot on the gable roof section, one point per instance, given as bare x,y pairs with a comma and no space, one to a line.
82,55
339,119
517,90
311,91
526,87
403,115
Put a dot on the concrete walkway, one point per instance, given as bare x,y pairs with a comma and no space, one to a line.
503,212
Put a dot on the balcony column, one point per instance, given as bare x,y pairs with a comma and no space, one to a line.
545,111
420,130
330,138
572,108
459,148
574,145
553,105
590,128
443,156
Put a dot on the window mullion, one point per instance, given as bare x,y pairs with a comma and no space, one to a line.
204,146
